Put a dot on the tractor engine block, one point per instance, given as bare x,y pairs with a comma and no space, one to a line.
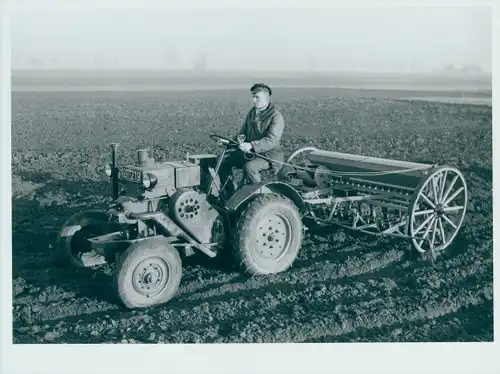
196,216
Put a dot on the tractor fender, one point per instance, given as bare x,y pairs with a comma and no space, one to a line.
249,190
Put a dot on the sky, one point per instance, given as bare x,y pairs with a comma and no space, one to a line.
374,39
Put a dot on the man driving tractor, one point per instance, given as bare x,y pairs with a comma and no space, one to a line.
263,128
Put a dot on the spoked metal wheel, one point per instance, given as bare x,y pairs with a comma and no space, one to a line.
295,164
303,155
437,209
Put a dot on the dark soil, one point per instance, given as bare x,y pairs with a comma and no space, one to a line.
357,290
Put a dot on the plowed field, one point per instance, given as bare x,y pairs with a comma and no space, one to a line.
349,289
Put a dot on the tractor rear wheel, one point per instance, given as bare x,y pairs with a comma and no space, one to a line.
268,235
148,273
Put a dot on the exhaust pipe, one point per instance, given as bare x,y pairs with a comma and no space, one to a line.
114,169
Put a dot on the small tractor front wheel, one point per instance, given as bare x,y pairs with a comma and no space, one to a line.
148,273
268,235
72,247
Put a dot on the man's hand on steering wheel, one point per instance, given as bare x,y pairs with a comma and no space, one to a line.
245,147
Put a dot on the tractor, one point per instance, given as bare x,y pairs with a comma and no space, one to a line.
178,208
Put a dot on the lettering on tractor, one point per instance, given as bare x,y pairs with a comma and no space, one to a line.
177,208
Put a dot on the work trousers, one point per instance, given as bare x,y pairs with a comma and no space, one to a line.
251,169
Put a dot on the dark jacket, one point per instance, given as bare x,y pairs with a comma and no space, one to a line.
264,132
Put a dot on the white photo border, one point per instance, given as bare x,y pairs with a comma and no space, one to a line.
230,358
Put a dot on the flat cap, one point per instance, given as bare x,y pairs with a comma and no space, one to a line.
258,87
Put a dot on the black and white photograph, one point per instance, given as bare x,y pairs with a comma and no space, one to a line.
208,177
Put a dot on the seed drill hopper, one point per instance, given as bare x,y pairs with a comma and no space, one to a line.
423,203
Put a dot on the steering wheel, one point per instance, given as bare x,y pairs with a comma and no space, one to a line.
232,144
224,141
